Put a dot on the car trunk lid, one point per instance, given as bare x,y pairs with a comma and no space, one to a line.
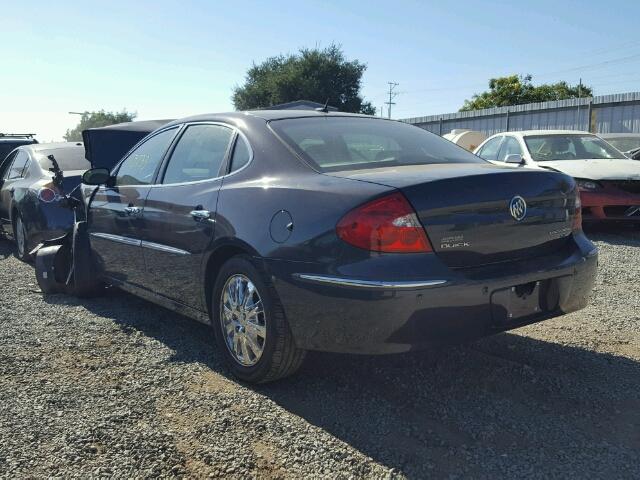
465,209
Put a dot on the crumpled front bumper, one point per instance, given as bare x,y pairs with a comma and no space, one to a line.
610,203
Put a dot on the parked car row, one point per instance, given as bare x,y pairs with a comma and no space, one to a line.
289,231
29,198
32,201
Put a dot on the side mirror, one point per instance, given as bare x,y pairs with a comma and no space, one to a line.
96,176
514,158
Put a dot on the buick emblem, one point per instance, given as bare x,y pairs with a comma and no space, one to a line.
518,208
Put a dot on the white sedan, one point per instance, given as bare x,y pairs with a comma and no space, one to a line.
609,182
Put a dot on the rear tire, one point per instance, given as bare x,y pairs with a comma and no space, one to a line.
249,324
22,239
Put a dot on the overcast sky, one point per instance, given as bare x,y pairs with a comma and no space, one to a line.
167,59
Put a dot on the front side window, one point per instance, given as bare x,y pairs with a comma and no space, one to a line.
489,150
342,143
510,146
18,166
198,154
569,147
140,166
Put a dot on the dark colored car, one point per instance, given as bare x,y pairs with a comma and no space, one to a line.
30,207
292,231
9,141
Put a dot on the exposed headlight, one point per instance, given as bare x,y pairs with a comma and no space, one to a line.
587,184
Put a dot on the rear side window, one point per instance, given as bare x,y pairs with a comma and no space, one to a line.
18,166
489,150
140,166
6,164
346,143
241,155
199,154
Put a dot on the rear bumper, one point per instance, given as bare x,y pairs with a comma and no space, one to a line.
331,313
610,204
48,222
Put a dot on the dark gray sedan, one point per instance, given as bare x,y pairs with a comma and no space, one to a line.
292,231
30,207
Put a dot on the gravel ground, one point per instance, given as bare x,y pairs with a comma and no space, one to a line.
116,387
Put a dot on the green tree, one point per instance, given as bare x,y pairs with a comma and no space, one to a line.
516,90
311,74
97,119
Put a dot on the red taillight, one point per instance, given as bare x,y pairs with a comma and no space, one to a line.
47,195
388,224
577,219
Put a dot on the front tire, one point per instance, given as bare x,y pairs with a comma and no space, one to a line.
249,324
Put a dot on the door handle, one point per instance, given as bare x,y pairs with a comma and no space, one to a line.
132,211
201,215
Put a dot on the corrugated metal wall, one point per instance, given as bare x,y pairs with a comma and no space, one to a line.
603,114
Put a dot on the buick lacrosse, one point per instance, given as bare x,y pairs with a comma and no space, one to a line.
289,231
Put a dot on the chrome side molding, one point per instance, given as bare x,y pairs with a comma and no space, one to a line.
373,284
139,243
163,248
117,238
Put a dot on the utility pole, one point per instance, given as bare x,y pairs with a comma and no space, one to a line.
392,95
579,97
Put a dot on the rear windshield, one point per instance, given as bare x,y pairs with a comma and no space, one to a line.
71,158
340,143
569,147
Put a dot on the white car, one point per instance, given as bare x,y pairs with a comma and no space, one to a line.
609,182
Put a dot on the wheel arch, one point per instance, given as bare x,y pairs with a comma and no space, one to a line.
218,255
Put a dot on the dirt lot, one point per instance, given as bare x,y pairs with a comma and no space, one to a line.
116,387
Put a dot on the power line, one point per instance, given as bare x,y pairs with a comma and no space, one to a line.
392,95
592,66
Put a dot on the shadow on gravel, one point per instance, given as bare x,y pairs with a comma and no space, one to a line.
504,403
614,233
6,248
501,399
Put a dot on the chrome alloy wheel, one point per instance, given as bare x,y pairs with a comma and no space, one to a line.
243,320
20,237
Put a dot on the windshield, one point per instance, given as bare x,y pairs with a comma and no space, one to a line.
343,143
71,158
625,144
569,147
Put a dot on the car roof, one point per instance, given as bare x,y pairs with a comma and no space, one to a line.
267,115
20,140
47,147
526,133
137,126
